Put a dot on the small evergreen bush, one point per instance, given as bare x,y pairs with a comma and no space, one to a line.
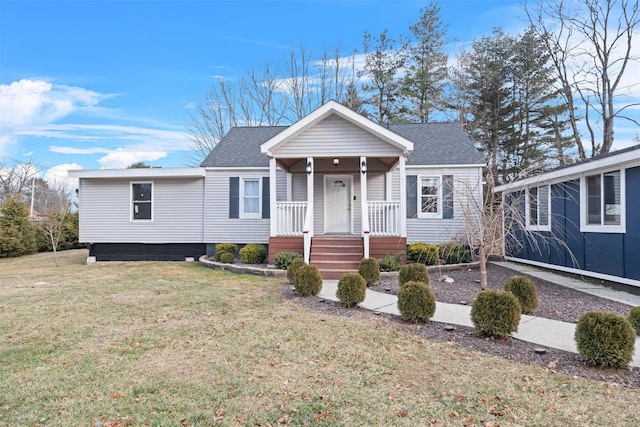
525,291
391,262
634,319
424,253
253,253
454,253
225,247
293,268
413,272
369,269
605,339
308,280
352,289
226,258
416,302
283,259
495,313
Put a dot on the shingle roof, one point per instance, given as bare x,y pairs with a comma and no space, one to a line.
439,143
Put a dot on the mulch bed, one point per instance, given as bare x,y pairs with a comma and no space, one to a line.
555,302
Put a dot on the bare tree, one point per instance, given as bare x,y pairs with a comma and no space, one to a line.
58,206
16,179
590,46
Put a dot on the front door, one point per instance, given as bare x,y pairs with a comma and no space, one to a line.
337,204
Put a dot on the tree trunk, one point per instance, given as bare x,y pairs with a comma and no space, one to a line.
482,255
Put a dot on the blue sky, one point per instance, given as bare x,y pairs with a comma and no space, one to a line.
102,84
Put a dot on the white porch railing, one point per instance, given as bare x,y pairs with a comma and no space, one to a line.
290,217
384,218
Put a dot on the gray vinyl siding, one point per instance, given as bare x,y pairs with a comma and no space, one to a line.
177,206
335,137
432,230
281,185
299,187
220,228
376,186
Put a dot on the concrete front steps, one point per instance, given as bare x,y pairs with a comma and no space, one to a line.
336,255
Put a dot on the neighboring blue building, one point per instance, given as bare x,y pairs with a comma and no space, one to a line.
583,218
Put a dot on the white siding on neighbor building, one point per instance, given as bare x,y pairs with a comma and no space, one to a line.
220,228
465,184
335,136
177,204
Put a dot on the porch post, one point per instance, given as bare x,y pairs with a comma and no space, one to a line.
364,205
403,197
273,221
308,221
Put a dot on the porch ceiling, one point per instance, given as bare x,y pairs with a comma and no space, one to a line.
347,164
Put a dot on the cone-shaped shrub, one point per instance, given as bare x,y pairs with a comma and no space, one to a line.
369,269
253,253
282,259
525,291
293,268
416,302
414,272
605,339
308,280
634,319
495,313
226,258
352,289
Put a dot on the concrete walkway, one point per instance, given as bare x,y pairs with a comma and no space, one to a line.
538,330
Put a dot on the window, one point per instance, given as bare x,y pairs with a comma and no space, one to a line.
603,202
430,197
538,208
141,201
250,198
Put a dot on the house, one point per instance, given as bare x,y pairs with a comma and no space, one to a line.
334,186
582,219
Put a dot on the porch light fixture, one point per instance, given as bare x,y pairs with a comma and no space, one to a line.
308,168
363,167
336,162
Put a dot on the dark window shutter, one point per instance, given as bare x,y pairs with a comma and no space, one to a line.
265,197
412,196
447,196
234,197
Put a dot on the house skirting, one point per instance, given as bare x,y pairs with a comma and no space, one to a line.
380,247
146,252
284,244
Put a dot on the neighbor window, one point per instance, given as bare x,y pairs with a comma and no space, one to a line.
250,198
141,200
430,197
538,208
604,199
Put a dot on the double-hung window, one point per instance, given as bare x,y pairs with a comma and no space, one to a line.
250,198
430,197
603,202
538,208
141,201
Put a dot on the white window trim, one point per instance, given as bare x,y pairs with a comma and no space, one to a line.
438,214
131,201
242,213
594,228
527,205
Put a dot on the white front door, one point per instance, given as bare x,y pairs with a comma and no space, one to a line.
337,204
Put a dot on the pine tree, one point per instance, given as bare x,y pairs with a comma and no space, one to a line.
17,234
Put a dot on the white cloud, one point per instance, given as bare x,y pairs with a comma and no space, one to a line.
122,158
56,176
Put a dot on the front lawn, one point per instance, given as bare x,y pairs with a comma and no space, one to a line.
161,344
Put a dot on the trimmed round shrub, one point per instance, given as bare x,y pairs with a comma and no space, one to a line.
226,258
416,302
308,280
454,253
293,268
495,313
391,262
424,253
282,259
369,269
225,247
253,253
634,319
605,339
413,272
352,289
525,291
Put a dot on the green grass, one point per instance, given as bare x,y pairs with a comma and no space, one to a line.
162,344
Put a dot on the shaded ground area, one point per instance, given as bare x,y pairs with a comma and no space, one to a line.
555,302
